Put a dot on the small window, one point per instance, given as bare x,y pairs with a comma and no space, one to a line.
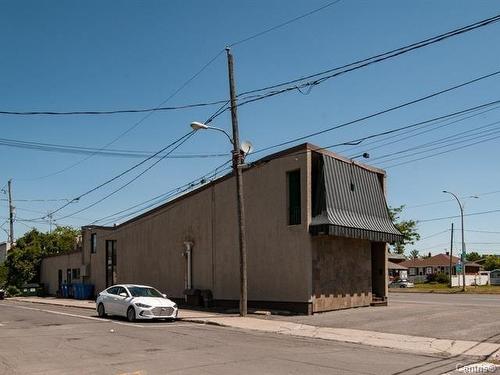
112,290
428,271
413,271
75,273
93,243
294,197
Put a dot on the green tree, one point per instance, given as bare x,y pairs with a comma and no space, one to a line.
491,262
23,262
414,254
473,256
408,229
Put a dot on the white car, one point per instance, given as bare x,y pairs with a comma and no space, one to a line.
401,284
135,302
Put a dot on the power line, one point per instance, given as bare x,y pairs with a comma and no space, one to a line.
136,124
442,142
384,55
442,152
399,137
70,149
256,35
320,76
391,109
111,112
120,174
457,216
182,141
161,198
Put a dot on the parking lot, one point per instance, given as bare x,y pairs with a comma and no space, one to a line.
451,316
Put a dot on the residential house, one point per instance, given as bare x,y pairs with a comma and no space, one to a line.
420,268
317,228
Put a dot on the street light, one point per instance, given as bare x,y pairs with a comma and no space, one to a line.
463,241
239,152
195,125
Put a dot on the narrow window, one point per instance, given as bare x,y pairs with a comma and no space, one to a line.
93,243
294,211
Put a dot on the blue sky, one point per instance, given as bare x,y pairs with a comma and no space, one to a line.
97,55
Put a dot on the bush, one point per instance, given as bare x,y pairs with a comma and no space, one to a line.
439,278
12,291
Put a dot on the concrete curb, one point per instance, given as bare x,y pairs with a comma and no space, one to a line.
42,302
413,344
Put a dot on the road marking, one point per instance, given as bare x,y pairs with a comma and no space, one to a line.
458,304
165,325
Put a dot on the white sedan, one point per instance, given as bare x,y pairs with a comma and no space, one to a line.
135,302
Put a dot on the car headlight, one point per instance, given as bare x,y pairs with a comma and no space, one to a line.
144,306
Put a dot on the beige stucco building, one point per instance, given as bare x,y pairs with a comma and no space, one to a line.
317,229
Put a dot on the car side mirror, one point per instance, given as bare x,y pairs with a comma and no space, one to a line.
123,295
164,295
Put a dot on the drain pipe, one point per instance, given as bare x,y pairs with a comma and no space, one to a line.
187,252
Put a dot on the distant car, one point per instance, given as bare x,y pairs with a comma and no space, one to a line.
2,294
135,302
401,284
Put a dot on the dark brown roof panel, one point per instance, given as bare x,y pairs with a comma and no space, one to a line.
353,203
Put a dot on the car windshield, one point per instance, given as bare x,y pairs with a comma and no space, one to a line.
138,291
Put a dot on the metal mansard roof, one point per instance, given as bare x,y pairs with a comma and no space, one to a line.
349,201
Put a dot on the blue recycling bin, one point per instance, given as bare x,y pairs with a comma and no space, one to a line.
87,291
83,291
77,291
64,290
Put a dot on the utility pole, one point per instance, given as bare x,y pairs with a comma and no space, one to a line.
237,168
451,256
11,216
49,218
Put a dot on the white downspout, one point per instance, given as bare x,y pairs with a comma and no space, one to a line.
188,247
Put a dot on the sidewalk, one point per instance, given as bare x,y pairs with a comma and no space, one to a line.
414,344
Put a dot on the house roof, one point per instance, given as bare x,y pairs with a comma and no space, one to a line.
396,256
395,266
436,260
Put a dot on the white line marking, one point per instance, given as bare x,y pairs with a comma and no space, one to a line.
166,325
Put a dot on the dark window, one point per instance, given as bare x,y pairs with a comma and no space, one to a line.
112,290
110,262
93,243
68,276
75,273
294,212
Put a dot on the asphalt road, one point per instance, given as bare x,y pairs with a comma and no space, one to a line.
36,339
448,316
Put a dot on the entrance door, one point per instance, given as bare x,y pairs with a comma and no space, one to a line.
110,262
59,279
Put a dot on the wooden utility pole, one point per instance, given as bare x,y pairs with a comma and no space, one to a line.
237,168
11,216
451,256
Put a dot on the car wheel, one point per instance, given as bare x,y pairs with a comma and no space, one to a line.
403,286
101,311
131,314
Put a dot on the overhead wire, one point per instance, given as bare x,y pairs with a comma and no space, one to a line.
77,198
180,143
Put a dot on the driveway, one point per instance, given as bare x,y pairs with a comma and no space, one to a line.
449,316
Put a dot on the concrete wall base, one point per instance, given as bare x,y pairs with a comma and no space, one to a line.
329,303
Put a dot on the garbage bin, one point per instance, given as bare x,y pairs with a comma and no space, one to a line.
193,297
207,297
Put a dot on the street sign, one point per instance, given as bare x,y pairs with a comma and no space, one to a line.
458,267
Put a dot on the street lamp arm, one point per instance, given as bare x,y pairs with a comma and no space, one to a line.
195,125
222,131
456,197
